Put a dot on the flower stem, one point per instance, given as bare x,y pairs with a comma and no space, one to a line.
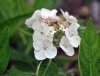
47,66
37,71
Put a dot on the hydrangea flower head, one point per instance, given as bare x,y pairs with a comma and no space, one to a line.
46,24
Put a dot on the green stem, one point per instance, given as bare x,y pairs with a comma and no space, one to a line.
37,71
47,67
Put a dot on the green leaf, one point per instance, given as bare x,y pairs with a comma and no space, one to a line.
98,60
12,18
4,50
89,52
15,72
11,11
17,22
40,4
47,68
46,4
17,55
22,61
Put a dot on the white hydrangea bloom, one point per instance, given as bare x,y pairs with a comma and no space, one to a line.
69,18
40,17
45,13
72,38
45,24
42,41
35,17
72,35
42,27
71,32
66,46
48,50
41,36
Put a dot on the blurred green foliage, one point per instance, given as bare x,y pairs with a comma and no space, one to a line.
4,50
89,52
16,50
13,14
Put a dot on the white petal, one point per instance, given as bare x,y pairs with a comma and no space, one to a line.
49,37
51,52
69,18
36,14
49,14
75,41
45,27
45,13
53,15
70,51
53,12
41,27
69,34
38,45
74,27
35,17
65,45
47,43
65,14
38,36
72,35
39,55
72,19
71,31
29,22
37,26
